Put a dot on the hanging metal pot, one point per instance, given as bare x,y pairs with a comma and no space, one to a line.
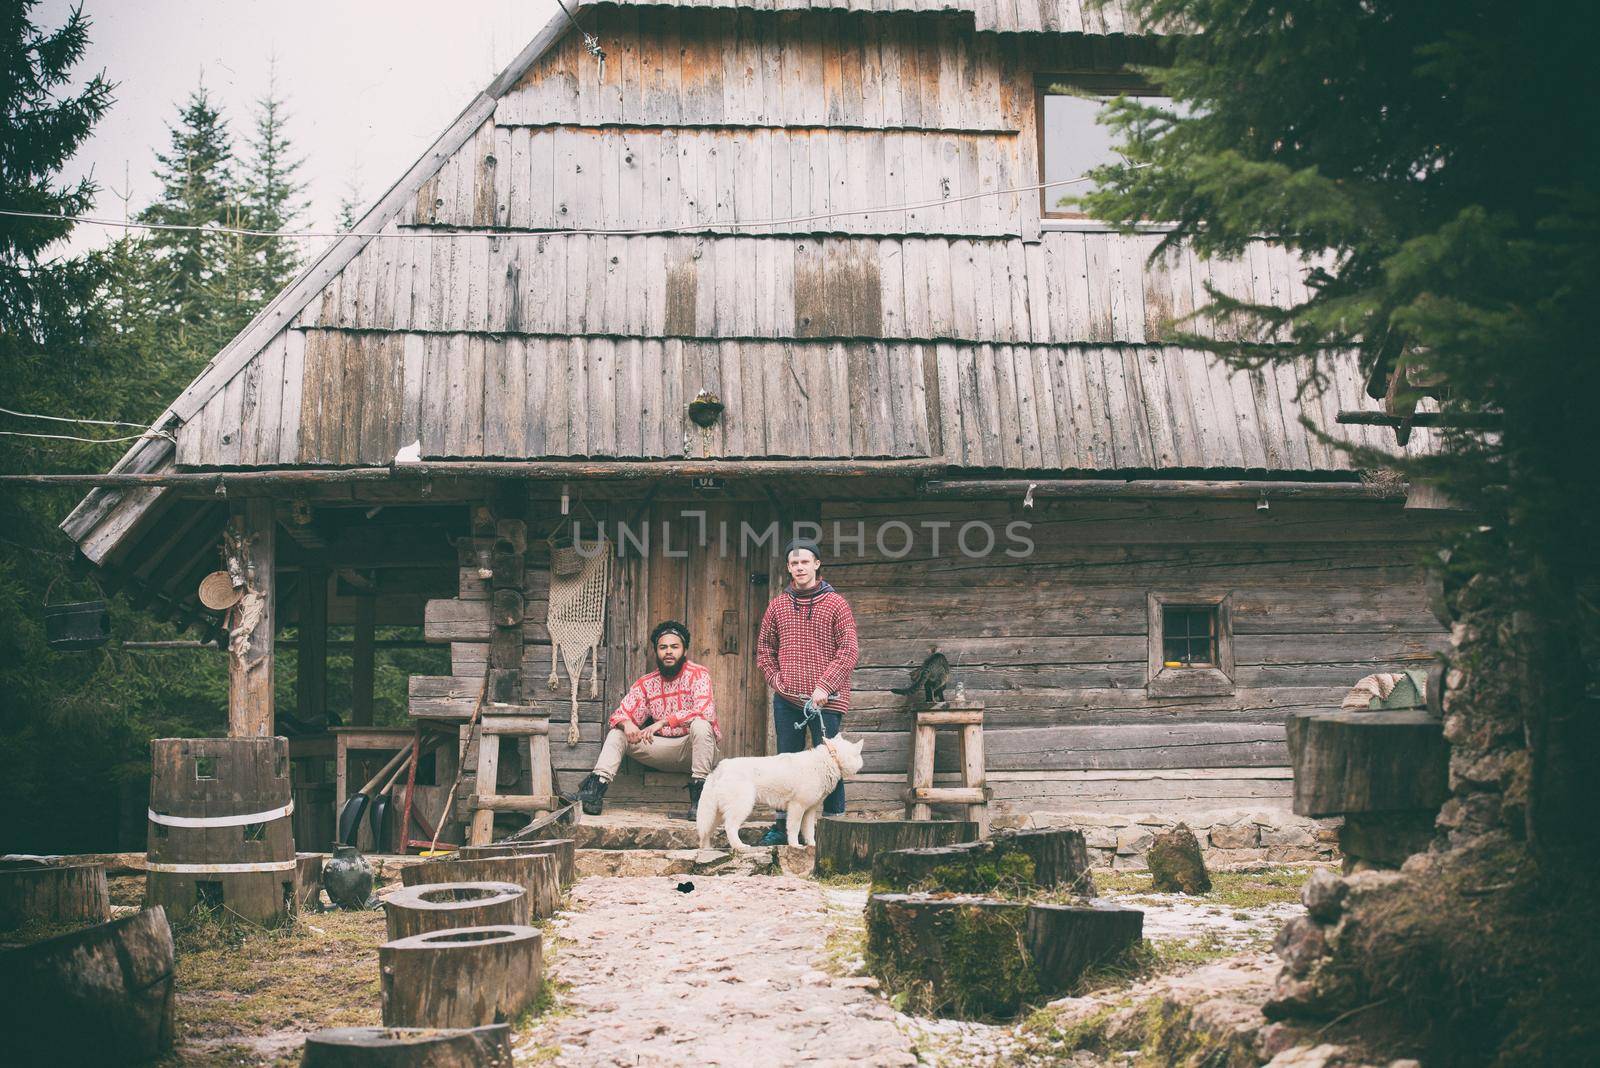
74,625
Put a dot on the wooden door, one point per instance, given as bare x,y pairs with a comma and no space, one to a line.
700,573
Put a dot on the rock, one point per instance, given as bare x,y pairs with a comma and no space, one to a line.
1234,836
1274,1038
1100,837
1298,836
797,860
1176,865
1326,1055
1323,895
1131,840
1300,944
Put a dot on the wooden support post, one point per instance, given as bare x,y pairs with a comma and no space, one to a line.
250,662
363,667
311,680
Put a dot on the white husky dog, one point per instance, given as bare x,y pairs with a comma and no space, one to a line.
795,784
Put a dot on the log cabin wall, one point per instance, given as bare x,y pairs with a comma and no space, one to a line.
1056,644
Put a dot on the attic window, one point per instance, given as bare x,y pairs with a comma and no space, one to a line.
1071,141
1191,643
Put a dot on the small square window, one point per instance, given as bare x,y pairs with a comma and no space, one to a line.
1191,644
1071,140
205,768
1188,636
255,832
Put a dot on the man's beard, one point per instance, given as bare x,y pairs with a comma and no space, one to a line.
670,672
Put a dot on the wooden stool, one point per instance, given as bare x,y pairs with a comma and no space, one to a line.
920,791
518,721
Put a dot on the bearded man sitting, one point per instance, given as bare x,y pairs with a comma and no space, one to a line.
667,721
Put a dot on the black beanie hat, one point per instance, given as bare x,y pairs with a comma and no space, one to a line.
808,544
669,626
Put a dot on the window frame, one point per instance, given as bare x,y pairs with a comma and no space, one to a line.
1218,680
1120,82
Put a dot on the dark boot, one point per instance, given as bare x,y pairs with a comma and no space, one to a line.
592,792
777,834
695,786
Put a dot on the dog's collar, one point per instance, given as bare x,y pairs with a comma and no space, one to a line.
833,755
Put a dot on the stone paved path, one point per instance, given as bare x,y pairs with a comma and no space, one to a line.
727,974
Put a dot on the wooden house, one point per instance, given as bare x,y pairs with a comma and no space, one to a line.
828,216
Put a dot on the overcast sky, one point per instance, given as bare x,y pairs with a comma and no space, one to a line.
369,84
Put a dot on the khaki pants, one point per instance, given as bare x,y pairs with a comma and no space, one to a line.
695,752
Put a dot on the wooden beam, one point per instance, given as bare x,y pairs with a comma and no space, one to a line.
362,663
250,668
311,680
1243,490
1460,420
204,483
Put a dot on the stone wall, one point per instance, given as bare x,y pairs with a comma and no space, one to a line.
1228,836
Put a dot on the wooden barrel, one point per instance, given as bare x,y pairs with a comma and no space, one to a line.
221,828
563,849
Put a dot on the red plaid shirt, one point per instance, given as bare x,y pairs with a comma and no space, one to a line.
674,702
809,641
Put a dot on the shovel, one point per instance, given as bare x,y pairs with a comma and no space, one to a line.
355,807
382,803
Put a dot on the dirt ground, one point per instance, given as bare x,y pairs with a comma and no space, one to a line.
739,970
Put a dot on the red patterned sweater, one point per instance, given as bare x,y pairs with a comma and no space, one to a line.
675,701
808,639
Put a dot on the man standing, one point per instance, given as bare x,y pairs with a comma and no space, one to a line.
667,721
806,650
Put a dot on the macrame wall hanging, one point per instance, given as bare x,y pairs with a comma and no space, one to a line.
577,617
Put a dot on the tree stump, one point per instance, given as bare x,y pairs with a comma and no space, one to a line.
415,910
534,872
1066,940
1396,761
409,1047
1007,863
951,956
308,880
565,850
466,977
1060,858
1176,864
54,894
848,843
102,995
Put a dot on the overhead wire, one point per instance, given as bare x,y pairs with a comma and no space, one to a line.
65,419
683,228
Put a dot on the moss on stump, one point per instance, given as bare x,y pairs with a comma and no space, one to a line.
1176,864
965,957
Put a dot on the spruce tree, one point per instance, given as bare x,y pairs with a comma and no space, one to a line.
41,295
273,193
197,190
1439,163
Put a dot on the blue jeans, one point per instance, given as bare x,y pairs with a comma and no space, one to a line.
789,724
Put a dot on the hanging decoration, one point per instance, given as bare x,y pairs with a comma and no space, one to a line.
577,616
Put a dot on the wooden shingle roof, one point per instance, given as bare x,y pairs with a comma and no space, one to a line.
745,251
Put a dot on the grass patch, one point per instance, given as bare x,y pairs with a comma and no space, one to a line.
236,981
1252,889
844,950
1147,959
847,880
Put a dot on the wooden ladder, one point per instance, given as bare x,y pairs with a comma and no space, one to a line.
920,793
517,721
